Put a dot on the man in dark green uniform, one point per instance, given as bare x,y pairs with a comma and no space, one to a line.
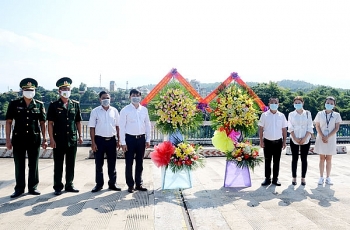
28,114
64,124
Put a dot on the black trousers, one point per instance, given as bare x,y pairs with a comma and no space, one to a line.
108,146
272,150
58,158
304,150
19,157
136,147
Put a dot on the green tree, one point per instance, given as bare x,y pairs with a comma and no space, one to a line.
82,87
89,97
3,110
74,90
75,96
50,96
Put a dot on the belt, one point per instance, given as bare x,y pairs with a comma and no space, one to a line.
106,138
135,136
274,141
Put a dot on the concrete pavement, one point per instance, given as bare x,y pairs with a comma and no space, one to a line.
207,205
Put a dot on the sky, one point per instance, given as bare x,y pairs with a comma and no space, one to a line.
141,41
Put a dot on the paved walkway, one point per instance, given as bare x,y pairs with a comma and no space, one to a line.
208,205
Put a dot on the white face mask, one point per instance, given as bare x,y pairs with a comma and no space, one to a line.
65,94
136,100
29,94
105,102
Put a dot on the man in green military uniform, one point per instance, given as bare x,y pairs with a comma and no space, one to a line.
28,114
64,125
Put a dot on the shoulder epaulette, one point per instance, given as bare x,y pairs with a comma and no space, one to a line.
39,101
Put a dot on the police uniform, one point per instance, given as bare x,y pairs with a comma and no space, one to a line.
65,131
26,137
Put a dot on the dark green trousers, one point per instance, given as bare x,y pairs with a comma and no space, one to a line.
19,156
58,158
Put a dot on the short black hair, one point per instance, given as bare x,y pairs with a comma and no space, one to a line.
135,91
331,98
102,92
273,98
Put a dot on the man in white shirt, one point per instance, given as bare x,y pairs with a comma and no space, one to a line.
272,134
135,136
104,133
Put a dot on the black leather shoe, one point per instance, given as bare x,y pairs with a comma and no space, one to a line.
266,182
57,192
115,188
16,194
294,183
34,192
72,189
96,189
140,188
276,182
131,189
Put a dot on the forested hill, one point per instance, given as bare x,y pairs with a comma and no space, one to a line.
296,85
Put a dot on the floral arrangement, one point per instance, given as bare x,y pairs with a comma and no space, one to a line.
177,158
234,109
234,115
244,155
174,109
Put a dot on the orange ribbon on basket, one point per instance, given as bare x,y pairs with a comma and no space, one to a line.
157,88
188,86
234,76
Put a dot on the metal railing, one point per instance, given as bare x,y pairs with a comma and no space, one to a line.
201,136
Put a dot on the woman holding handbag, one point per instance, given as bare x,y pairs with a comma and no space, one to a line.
300,127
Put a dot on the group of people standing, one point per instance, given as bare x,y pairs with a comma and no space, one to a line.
130,130
109,130
273,128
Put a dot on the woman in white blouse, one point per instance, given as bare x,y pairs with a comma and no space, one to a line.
327,125
300,127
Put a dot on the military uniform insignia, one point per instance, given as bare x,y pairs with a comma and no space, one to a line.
29,84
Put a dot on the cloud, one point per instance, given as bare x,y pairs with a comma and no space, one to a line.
9,38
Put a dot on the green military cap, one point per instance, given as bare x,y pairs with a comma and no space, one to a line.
64,81
28,83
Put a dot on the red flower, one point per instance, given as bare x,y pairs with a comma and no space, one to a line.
188,162
162,153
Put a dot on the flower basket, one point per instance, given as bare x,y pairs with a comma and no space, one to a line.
177,163
236,176
175,110
181,179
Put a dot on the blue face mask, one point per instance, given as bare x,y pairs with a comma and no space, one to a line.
298,106
328,106
273,106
